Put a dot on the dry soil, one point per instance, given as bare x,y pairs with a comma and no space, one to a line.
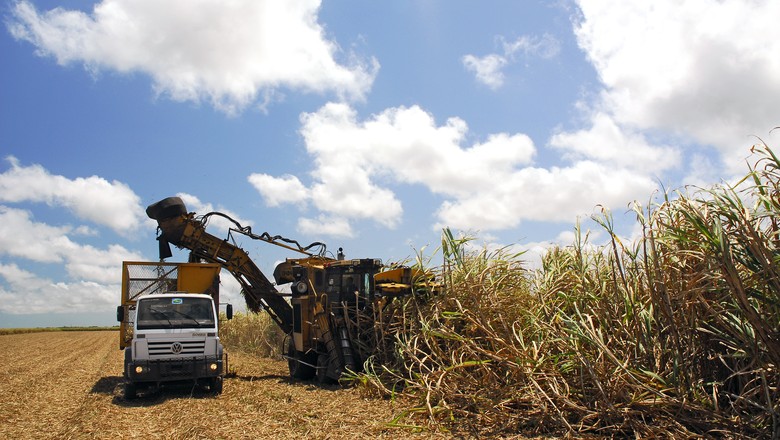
69,385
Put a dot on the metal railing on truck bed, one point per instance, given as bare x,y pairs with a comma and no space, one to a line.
145,277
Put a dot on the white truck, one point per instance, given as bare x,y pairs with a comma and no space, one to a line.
171,336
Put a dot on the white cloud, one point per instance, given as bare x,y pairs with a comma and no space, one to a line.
21,237
407,145
488,69
556,194
99,265
230,292
94,272
111,204
27,293
488,185
703,69
608,143
228,53
545,47
217,225
278,190
530,253
323,225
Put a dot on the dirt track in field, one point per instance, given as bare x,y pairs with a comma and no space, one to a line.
69,385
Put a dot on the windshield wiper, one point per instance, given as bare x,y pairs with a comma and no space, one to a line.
187,316
163,314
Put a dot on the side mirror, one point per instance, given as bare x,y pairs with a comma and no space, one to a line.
120,313
229,311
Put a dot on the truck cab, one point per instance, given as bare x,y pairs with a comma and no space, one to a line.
175,338
171,336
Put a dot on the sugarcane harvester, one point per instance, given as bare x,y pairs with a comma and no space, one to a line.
326,292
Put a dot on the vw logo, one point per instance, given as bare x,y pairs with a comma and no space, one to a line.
176,348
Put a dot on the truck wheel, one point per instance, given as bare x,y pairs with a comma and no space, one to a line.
216,385
300,364
322,370
130,391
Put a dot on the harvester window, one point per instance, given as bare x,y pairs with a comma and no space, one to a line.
334,287
366,284
349,286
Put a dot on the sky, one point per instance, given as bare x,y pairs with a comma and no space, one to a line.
365,125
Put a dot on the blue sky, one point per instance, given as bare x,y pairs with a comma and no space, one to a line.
366,125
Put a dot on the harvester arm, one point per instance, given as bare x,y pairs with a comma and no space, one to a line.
182,229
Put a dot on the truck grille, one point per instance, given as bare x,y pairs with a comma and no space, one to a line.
172,348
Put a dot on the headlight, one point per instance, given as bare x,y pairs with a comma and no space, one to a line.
139,369
213,367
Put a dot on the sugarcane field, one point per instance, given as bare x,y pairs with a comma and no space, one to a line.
350,219
674,336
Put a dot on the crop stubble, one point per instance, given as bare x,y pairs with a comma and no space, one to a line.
68,385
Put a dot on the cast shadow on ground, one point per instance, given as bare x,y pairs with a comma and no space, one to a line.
253,378
106,385
113,386
285,379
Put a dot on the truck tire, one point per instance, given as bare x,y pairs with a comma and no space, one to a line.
216,385
130,391
322,370
300,364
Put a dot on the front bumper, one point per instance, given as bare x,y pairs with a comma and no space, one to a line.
183,368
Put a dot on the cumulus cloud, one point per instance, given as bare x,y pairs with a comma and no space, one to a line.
279,190
608,143
558,194
324,225
112,204
705,70
228,53
92,272
488,69
406,143
488,185
230,292
25,292
216,225
22,237
545,47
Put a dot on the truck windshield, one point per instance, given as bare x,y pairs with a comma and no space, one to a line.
176,312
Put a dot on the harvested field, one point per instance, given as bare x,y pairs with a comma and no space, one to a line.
69,385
